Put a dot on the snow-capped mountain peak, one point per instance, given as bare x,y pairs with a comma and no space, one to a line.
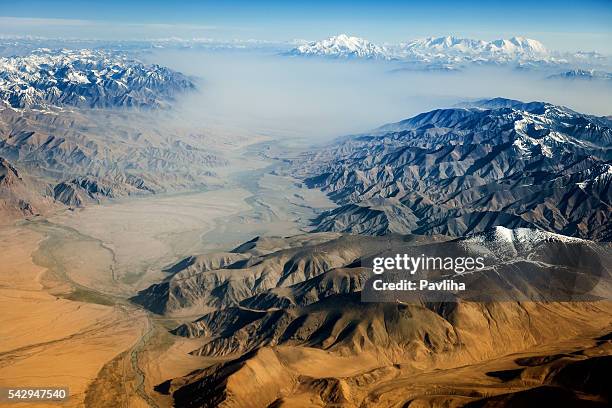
583,74
86,78
448,52
454,46
458,171
342,46
518,46
447,43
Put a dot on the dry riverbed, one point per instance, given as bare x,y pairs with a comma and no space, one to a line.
65,283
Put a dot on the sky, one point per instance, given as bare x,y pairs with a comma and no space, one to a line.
562,25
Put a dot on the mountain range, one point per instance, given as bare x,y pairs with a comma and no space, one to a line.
583,74
446,50
78,157
342,46
288,314
461,170
86,78
76,127
499,50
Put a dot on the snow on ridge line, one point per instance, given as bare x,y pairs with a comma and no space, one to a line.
521,235
444,51
514,45
342,46
85,77
345,45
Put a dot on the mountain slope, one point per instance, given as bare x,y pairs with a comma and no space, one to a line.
583,74
81,156
196,289
341,46
446,52
19,194
461,170
86,78
317,340
51,128
330,308
502,50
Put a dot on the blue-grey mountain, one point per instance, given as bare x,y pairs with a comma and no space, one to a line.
456,171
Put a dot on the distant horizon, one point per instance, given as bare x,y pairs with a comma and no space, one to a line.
291,41
563,26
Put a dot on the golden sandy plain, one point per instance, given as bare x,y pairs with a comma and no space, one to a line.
47,340
65,320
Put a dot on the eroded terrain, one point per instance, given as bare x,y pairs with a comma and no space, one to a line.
65,281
